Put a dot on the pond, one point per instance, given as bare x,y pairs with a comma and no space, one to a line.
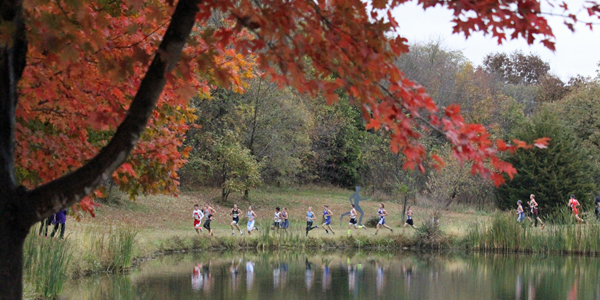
348,275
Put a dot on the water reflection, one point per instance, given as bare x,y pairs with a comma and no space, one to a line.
326,278
235,279
249,275
292,276
309,275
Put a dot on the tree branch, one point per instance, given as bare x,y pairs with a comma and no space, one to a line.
69,189
12,62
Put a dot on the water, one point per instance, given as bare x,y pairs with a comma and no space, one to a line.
354,275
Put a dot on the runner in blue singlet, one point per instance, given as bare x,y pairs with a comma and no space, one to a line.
382,214
310,217
327,215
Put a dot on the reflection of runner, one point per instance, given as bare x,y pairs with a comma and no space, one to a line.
207,277
380,278
382,214
235,213
197,278
198,215
276,276
354,200
284,273
408,275
249,275
234,275
531,291
518,287
351,277
326,280
309,275
310,217
327,214
573,292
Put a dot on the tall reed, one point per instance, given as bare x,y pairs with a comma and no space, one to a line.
120,248
505,234
109,251
45,264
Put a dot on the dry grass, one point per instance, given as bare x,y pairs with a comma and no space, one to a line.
160,216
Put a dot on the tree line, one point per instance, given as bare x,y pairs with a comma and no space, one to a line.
281,137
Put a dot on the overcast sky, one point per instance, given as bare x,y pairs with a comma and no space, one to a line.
576,53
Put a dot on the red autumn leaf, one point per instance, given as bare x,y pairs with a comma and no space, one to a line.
542,143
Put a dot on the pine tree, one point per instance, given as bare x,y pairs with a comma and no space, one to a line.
552,174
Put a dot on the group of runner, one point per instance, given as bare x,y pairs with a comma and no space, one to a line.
281,219
535,213
235,213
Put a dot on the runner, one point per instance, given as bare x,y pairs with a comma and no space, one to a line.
573,203
529,213
535,210
353,222
520,212
382,214
251,217
310,217
198,215
409,219
327,214
209,212
285,219
276,219
235,213
355,199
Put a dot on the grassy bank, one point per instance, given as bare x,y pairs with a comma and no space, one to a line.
503,234
124,232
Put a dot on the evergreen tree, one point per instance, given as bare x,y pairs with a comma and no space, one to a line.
552,174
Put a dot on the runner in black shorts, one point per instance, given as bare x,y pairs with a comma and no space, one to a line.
235,213
409,220
310,217
208,211
285,222
353,222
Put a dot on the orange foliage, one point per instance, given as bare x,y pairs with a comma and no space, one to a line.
87,58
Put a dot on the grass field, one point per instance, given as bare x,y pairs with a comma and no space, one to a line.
164,223
158,217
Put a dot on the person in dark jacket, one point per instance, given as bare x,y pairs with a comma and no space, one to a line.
60,218
45,224
597,210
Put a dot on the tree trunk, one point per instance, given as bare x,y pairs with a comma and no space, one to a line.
19,208
404,208
254,125
11,258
